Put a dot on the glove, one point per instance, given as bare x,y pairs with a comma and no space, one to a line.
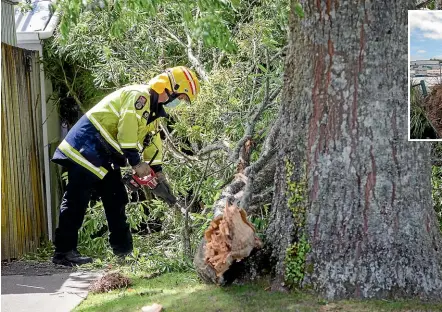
142,169
163,190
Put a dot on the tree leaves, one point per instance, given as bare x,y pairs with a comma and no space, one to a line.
128,42
207,20
297,8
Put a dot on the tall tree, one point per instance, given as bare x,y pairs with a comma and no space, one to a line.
369,219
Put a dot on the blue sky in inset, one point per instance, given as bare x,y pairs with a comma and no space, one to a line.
425,34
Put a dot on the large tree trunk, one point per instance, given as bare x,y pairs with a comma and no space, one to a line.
370,221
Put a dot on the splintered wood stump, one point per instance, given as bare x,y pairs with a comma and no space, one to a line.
433,107
230,237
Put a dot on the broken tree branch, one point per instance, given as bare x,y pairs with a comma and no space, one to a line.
203,176
220,59
248,134
186,235
267,153
194,60
264,197
199,67
228,195
222,145
181,43
70,88
266,175
268,149
173,149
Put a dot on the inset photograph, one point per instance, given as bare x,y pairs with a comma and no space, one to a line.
425,75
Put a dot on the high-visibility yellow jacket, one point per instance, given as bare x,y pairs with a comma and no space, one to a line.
113,132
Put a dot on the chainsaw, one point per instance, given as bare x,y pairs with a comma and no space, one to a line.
151,181
157,186
134,182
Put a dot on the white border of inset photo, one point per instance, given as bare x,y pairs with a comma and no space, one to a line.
409,73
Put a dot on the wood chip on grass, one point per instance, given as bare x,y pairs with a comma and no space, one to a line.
152,308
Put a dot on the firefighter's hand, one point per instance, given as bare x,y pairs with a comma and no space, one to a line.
142,169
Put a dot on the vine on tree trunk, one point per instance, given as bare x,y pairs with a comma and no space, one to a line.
296,252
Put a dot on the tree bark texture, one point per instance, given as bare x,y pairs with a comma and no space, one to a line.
370,221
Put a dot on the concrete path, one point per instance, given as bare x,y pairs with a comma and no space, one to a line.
48,293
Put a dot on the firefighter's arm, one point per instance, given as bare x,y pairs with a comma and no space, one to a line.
128,124
154,152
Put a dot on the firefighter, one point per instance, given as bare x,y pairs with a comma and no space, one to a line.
107,137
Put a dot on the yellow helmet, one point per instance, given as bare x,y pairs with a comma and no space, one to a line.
178,80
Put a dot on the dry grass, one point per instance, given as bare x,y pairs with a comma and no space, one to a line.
110,281
433,107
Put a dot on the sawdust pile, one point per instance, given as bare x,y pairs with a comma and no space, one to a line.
433,107
110,281
229,237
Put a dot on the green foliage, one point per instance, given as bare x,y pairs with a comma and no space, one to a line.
94,221
207,20
296,253
261,221
298,10
431,5
296,193
419,123
42,254
436,181
98,49
24,7
295,261
155,253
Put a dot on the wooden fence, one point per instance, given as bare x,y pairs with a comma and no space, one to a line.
23,217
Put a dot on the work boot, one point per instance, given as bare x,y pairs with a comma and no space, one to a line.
122,253
70,258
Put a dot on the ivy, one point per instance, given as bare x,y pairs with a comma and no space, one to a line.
436,181
295,261
298,10
296,253
296,197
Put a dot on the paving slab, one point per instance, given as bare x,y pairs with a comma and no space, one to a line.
49,293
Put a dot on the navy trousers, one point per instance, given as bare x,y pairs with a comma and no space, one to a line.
75,201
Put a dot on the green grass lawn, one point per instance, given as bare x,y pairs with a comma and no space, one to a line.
184,292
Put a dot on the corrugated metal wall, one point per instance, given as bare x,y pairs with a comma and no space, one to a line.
8,23
23,221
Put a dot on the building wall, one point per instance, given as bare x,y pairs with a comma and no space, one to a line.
425,62
8,23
